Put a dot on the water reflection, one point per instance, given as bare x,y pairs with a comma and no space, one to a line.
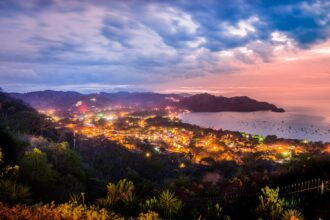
285,125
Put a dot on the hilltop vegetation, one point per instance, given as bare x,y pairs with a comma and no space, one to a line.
210,103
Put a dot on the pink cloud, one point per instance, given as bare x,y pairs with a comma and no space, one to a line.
300,82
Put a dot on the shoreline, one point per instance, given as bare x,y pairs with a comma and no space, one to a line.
289,125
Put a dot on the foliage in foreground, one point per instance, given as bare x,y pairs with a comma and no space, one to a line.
166,203
122,192
292,214
273,207
150,215
216,212
12,192
56,212
120,196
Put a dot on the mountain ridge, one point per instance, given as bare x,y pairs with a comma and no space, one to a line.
202,102
209,103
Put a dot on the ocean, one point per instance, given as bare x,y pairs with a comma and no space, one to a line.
291,125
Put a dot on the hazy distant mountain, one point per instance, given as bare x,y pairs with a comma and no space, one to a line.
49,99
209,103
196,103
65,100
147,99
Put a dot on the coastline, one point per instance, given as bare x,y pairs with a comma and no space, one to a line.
288,125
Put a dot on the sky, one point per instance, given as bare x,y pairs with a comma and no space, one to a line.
278,51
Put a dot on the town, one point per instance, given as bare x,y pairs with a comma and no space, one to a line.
163,132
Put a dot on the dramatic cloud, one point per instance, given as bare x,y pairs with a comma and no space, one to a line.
129,44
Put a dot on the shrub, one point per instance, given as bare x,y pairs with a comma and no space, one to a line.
120,198
167,203
149,216
271,205
215,212
292,214
12,192
52,212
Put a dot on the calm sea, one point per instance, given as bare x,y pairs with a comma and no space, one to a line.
286,125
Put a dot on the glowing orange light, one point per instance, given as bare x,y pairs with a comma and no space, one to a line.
70,126
182,165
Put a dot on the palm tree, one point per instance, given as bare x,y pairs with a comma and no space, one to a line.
292,214
125,191
169,203
122,192
12,192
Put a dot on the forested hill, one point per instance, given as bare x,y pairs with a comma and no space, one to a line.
210,103
17,116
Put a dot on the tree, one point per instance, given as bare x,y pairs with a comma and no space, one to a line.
37,172
12,192
271,205
151,204
215,212
66,162
169,203
166,203
68,165
11,147
118,195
